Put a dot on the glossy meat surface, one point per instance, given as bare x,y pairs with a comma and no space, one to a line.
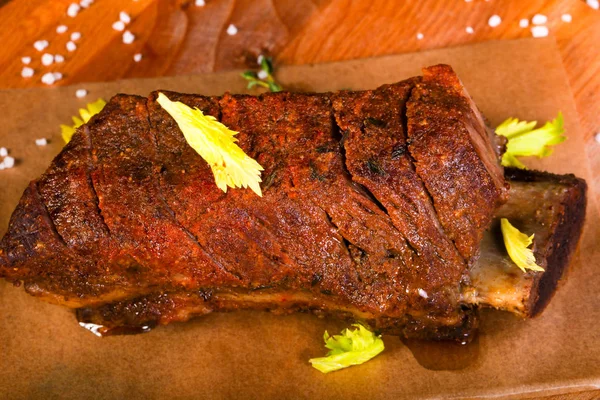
346,222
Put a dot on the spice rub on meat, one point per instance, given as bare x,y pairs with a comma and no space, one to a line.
359,190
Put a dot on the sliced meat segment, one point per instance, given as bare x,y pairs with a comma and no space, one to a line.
377,157
455,157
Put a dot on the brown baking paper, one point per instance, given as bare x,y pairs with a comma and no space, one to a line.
258,355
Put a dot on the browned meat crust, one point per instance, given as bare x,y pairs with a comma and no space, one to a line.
128,212
455,157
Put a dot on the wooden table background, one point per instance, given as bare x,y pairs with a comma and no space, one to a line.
176,37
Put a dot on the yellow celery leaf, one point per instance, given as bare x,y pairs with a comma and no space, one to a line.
216,145
508,160
517,244
86,114
352,347
513,127
524,140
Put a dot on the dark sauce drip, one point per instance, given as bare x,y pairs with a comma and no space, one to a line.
444,355
101,330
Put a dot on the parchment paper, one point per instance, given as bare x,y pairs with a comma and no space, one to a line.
257,355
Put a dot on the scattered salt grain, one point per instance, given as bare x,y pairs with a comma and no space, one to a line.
137,57
118,26
81,93
40,45
41,142
75,36
128,37
47,59
260,59
124,17
48,78
9,162
58,58
420,36
200,3
494,21
262,74
469,30
57,76
468,1
73,10
26,60
71,46
539,31
524,23
61,29
4,151
539,19
2,165
232,30
595,4
27,72
423,293
566,18
597,137
86,3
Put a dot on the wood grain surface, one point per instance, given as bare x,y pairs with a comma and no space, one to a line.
177,37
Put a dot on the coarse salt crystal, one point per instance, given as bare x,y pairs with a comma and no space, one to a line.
40,44
524,23
75,36
47,59
86,3
128,37
25,60
423,294
3,151
494,21
469,30
57,76
118,26
41,142
232,30
81,93
566,18
597,137
9,162
468,1
27,72
539,19
420,36
200,3
48,78
262,74
73,10
124,17
137,57
61,29
539,31
71,46
2,165
260,59
595,4
58,58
